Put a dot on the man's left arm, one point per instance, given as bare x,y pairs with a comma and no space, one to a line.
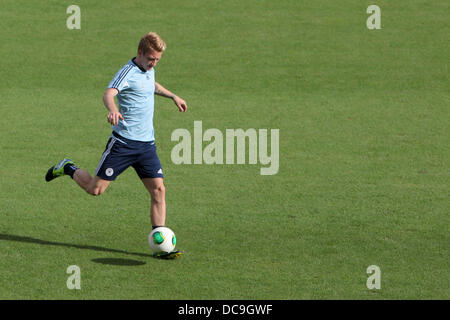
163,92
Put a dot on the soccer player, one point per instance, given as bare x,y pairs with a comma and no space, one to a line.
132,142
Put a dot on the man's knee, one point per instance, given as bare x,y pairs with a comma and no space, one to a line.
158,192
96,191
96,188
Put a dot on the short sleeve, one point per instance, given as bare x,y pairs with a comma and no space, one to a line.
119,81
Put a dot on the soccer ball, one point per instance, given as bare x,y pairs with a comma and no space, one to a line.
162,239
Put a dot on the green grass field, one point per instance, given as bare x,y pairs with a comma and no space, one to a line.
363,117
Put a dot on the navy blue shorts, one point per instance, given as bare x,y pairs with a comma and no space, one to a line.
120,153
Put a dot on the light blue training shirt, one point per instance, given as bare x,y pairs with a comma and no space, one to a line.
136,102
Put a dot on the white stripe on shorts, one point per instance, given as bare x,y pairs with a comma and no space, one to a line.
105,154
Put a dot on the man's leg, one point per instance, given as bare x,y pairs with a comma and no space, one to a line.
155,187
92,185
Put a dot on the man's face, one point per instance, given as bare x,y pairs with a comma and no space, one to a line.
149,60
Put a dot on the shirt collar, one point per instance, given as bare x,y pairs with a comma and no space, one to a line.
143,70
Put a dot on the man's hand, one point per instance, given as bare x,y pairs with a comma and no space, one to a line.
108,99
181,104
161,91
113,117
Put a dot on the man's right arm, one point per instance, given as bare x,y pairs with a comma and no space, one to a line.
113,111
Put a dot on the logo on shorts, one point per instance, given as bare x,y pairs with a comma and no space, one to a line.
109,172
160,171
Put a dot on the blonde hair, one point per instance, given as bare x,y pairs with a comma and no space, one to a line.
151,41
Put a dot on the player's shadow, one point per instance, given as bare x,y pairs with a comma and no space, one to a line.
118,261
112,261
